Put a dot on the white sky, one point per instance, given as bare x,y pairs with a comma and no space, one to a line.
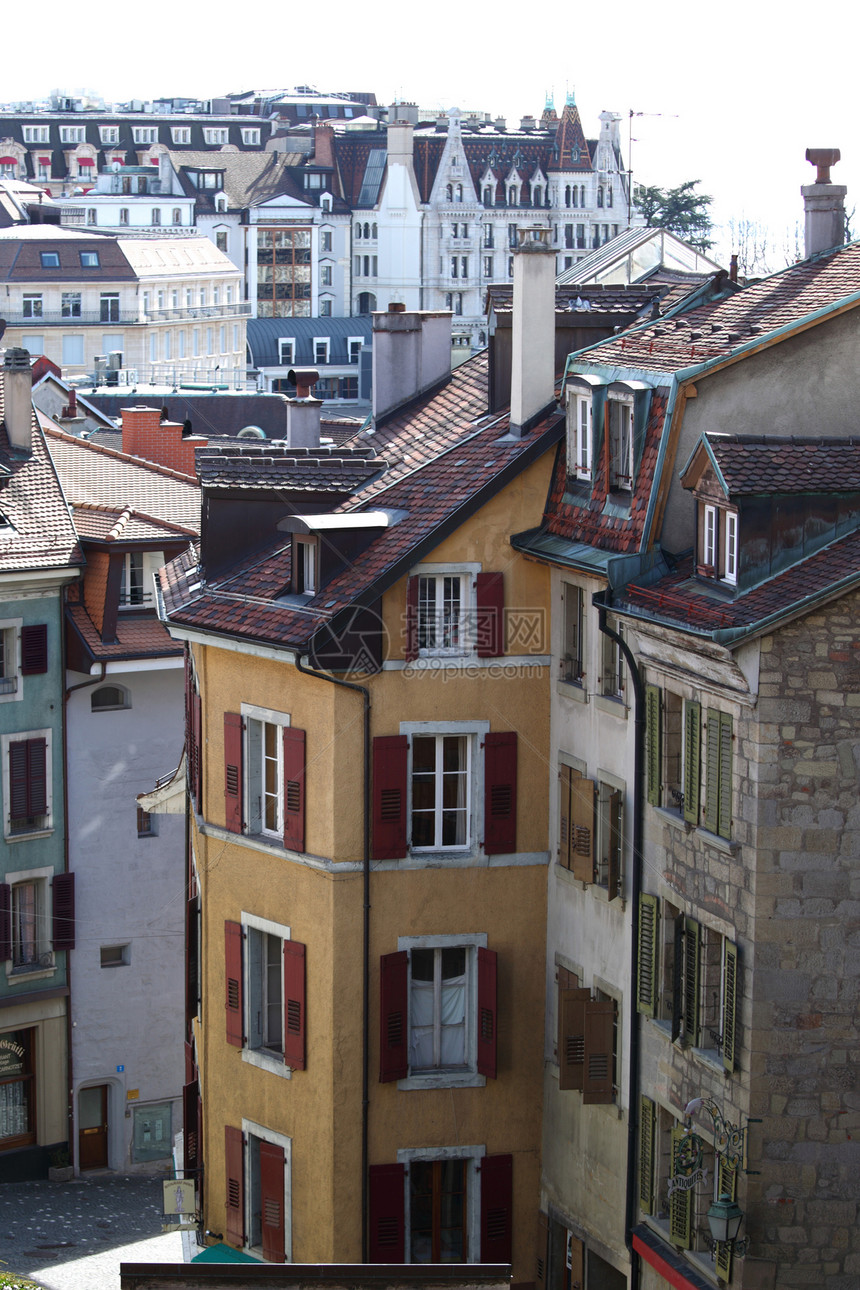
738,93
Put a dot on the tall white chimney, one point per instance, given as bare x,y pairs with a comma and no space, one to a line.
303,412
411,355
533,327
823,204
18,398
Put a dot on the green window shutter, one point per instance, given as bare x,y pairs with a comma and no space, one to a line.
712,772
647,1121
678,977
680,1202
727,1185
730,997
652,732
692,760
726,741
691,981
646,990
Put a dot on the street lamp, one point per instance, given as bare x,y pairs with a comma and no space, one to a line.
724,1219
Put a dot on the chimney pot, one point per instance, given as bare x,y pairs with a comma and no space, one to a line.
823,159
304,379
397,307
18,397
824,204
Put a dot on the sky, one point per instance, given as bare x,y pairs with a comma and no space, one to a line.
731,97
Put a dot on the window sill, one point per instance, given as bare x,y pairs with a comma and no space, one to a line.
25,976
616,707
714,840
572,690
267,1062
673,818
710,1058
25,837
443,1079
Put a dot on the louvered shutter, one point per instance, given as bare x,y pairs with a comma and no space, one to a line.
190,1067
491,615
680,1202
691,981
597,1086
500,793
410,652
192,979
582,806
571,1046
5,922
647,1125
727,1185
233,971
63,914
724,810
272,1201
28,779
730,1000
294,788
692,760
646,988
497,1195
190,1135
712,771
565,852
677,977
234,1174
233,783
294,1005
653,727
390,755
197,743
394,1017
542,1251
19,797
34,649
487,1012
387,1213
613,866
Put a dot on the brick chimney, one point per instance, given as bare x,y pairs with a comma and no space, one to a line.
533,327
145,435
18,410
823,203
411,355
303,412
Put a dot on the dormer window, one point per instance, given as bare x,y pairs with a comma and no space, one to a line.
718,543
620,444
580,436
304,566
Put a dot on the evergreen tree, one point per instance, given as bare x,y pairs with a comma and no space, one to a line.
680,210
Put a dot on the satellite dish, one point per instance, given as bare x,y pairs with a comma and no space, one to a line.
115,167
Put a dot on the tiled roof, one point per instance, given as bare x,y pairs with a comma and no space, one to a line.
115,524
103,478
584,301
40,534
136,637
715,330
751,464
249,177
254,464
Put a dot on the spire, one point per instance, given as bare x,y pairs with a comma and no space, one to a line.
549,102
570,99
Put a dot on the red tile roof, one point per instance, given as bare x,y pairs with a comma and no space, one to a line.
752,464
137,637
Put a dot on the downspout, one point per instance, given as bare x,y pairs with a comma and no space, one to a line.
599,600
365,979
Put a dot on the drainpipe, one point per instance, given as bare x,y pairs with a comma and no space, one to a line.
599,600
365,979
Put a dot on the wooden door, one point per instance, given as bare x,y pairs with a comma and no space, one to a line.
93,1127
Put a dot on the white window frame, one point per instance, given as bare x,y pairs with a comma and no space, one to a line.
181,134
287,351
251,136
255,719
607,784
323,343
710,536
109,134
573,598
473,1155
355,344
10,667
474,731
581,435
216,136
150,561
48,826
252,1130
253,1053
730,562
465,1076
36,134
32,304
43,878
145,134
72,134
467,573
621,463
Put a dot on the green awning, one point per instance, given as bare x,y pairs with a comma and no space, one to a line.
222,1253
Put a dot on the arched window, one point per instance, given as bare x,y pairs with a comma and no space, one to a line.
373,231
109,698
609,196
177,215
366,302
574,195
449,192
459,192
367,230
599,196
582,194
567,195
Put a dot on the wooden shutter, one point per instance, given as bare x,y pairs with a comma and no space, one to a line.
582,807
576,1261
647,1125
410,652
599,1077
565,849
724,809
63,913
647,976
727,1185
677,977
390,755
691,981
571,1044
28,779
491,615
294,1005
5,922
272,1201
234,1175
192,979
487,1012
730,1001
387,1213
497,1197
233,783
615,810
34,649
712,771
197,748
692,760
294,788
541,1251
500,793
233,970
190,1064
394,1016
680,1202
190,1133
653,728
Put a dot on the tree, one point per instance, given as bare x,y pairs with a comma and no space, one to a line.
681,210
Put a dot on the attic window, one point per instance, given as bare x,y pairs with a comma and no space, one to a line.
90,259
50,259
304,566
620,444
718,543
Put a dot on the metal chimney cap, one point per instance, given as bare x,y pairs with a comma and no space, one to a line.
16,357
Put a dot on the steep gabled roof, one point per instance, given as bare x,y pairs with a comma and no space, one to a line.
752,464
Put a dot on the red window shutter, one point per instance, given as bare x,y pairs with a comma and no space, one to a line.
387,1236
294,788
233,788
197,738
500,793
410,652
491,615
190,1117
272,1201
394,1017
28,779
571,1043
190,1066
390,755
233,969
487,1012
5,922
294,1005
189,694
234,1174
599,1061
63,937
192,982
34,649
497,1196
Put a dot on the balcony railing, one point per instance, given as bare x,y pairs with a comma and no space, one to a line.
51,317
240,310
